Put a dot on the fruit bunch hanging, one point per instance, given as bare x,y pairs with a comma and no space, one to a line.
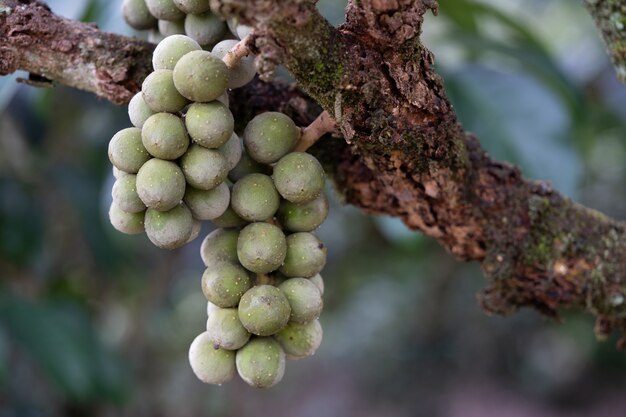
182,163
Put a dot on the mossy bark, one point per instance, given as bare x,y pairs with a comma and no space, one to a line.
405,153
610,18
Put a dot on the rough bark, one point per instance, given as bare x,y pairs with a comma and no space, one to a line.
409,157
610,18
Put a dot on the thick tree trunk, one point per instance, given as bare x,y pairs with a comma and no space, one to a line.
407,154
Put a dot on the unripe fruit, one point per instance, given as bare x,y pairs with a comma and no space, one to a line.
245,167
125,195
243,31
304,217
169,229
207,204
138,110
137,15
261,362
117,173
160,94
210,308
164,9
319,282
195,230
211,365
261,247
160,184
205,28
203,168
164,136
192,6
200,76
304,298
243,72
209,124
229,219
300,340
224,99
171,28
224,283
129,223
171,49
306,255
219,246
225,329
255,198
269,136
264,310
126,152
154,36
299,177
232,151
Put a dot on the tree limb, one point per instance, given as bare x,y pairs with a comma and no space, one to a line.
610,18
408,156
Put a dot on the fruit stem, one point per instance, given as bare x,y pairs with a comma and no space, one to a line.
240,50
319,127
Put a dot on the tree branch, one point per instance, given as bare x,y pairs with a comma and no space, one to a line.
408,155
610,18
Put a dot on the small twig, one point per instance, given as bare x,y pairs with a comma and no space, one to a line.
240,50
322,125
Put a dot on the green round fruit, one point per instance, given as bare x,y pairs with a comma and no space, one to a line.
264,310
164,9
209,124
171,28
243,72
304,217
192,6
219,246
225,329
269,136
224,283
243,30
224,99
232,151
204,168
117,173
229,219
319,282
164,136
210,308
299,177
211,365
255,198
207,204
160,94
126,152
169,51
261,247
137,15
169,229
306,255
300,340
261,362
154,36
304,298
138,110
200,76
205,28
247,166
160,184
195,230
129,223
125,195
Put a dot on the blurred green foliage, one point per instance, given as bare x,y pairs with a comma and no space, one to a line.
96,323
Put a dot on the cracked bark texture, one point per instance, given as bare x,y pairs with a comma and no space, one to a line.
407,154
610,18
